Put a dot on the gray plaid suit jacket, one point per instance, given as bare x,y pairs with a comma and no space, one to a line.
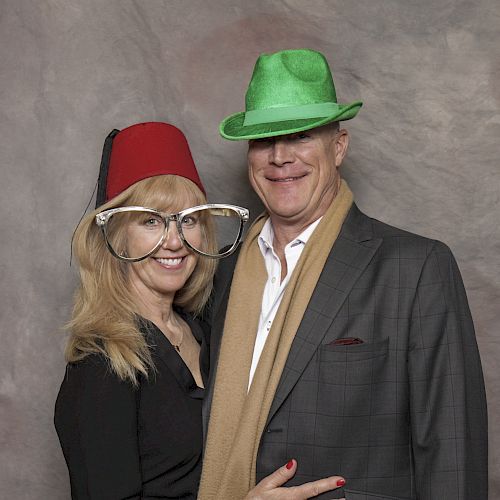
400,416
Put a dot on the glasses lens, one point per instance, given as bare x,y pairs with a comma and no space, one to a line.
134,234
220,228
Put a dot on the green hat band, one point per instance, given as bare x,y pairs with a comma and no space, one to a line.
271,115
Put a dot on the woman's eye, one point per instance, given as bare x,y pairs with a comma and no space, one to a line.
152,222
189,221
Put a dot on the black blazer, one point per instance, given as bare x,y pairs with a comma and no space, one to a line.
120,442
401,415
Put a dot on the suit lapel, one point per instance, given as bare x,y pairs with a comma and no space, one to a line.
350,255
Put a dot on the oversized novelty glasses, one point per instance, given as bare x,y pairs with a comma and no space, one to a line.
134,233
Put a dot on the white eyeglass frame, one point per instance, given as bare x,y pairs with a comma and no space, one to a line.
102,218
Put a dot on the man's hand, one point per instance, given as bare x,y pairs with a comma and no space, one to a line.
270,487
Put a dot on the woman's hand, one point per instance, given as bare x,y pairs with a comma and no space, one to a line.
270,487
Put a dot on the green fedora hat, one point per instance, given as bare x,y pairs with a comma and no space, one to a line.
290,91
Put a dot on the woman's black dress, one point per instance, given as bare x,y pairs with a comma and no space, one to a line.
122,442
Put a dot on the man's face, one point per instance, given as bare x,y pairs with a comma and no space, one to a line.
296,175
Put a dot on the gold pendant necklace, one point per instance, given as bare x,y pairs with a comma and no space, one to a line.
178,346
169,333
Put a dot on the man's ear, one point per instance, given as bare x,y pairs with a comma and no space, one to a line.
341,145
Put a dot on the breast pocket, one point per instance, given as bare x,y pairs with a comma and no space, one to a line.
353,364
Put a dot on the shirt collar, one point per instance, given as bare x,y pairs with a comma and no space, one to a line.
266,236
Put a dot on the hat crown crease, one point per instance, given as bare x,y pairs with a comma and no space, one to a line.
290,79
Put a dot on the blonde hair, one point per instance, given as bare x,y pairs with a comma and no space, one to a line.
104,318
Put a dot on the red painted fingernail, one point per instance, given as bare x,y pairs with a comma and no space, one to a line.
289,465
341,482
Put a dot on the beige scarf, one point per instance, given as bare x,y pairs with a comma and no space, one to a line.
238,417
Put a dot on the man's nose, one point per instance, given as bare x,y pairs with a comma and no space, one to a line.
172,241
282,152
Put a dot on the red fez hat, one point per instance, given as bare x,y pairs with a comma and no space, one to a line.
141,151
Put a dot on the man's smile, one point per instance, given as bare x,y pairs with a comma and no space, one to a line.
286,179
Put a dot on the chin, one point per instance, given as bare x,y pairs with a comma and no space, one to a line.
169,289
285,212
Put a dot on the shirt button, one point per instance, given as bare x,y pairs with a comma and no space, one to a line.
273,280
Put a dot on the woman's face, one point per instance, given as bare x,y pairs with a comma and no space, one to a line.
167,270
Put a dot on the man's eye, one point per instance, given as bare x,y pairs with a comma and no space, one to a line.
262,141
299,136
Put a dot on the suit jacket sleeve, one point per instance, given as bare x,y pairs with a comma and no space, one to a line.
447,397
96,420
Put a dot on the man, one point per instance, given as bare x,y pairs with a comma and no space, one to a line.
348,344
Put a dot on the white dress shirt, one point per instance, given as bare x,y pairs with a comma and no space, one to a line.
274,289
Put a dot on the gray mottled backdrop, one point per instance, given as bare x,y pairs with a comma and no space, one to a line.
424,152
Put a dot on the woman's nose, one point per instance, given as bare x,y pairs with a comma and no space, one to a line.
172,241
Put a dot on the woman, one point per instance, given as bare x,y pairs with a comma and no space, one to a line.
128,413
